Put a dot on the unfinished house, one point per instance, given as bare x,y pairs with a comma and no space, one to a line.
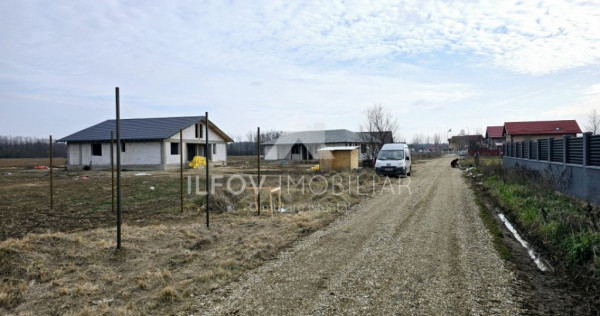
147,143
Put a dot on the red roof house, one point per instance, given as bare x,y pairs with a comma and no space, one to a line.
495,136
494,132
520,131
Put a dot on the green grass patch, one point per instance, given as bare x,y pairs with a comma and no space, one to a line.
563,224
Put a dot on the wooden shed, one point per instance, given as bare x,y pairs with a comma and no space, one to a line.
338,158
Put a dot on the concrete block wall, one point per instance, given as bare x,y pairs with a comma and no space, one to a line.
577,180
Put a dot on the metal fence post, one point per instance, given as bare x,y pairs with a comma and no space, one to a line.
522,149
586,149
51,176
565,148
118,122
550,149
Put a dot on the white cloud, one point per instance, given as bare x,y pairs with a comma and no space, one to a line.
580,108
268,61
525,37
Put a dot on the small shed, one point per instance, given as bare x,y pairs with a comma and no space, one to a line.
338,158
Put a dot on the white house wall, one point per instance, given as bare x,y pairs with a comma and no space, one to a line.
271,152
189,136
283,151
73,154
189,133
221,154
146,153
172,159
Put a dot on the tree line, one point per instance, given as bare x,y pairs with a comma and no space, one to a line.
247,146
29,147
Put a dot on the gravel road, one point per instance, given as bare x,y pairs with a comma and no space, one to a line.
426,252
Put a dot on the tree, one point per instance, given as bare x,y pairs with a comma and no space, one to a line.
29,147
437,140
593,124
379,128
248,147
417,139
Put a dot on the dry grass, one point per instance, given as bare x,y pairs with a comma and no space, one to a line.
8,163
152,270
168,260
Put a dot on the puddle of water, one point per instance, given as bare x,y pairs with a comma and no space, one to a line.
534,256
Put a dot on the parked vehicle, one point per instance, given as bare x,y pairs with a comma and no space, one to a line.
393,160
462,153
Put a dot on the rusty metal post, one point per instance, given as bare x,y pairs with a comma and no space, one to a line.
118,122
51,177
207,164
181,166
258,169
112,171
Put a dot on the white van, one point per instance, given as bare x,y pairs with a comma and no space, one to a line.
393,160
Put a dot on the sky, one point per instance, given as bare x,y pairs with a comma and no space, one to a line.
435,66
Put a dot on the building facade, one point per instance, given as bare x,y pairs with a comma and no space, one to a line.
152,143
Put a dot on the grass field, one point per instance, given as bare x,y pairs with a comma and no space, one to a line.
566,227
20,163
63,261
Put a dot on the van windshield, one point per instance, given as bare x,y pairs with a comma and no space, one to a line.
391,155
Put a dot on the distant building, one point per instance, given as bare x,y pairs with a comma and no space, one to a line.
533,130
465,142
305,145
148,143
494,135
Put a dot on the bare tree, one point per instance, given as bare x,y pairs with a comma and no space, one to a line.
593,124
251,136
29,147
379,128
248,147
437,139
417,139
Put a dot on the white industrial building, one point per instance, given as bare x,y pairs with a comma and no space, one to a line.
150,143
305,145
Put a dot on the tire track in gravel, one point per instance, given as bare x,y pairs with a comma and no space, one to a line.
423,253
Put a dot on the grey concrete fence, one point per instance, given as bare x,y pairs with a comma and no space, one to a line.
572,164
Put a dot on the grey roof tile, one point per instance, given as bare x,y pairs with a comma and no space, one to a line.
317,137
134,129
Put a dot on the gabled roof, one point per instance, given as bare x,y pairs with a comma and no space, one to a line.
144,129
542,127
494,132
317,137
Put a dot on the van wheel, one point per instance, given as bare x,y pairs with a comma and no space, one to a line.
408,173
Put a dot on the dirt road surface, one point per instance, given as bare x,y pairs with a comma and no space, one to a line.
426,252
